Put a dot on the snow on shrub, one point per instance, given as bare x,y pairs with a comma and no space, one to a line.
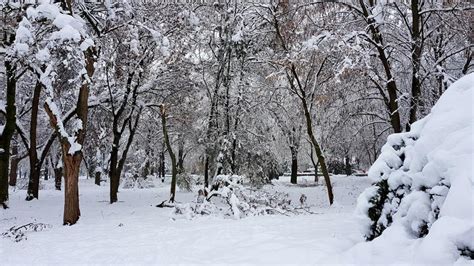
424,178
137,181
230,198
185,181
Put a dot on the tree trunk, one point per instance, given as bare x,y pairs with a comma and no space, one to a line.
391,86
8,130
58,175
416,49
180,164
72,162
309,129
15,159
116,164
294,166
206,172
114,178
319,153
71,189
97,178
170,152
315,164
316,178
46,172
114,185
161,168
348,166
35,168
33,184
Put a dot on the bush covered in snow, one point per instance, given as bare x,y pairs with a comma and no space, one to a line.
423,179
228,197
137,181
185,181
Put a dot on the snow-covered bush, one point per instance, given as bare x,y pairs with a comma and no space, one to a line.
185,181
260,168
230,198
137,181
423,179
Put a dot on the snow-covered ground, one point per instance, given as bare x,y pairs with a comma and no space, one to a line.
134,231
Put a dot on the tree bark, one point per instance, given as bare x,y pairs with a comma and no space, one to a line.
8,130
180,164
416,49
46,172
391,86
319,153
116,164
162,164
72,165
35,168
315,164
170,152
348,167
114,178
309,129
97,178
15,159
294,166
58,175
72,160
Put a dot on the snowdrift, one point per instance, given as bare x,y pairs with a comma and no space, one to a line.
421,201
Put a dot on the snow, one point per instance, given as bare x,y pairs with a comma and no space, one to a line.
237,37
430,171
134,231
44,10
67,33
43,55
23,38
62,20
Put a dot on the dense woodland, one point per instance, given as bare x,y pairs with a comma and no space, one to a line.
120,90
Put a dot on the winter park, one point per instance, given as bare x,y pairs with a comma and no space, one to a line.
237,132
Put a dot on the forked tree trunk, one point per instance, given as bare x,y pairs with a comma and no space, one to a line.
317,148
116,164
72,160
309,129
